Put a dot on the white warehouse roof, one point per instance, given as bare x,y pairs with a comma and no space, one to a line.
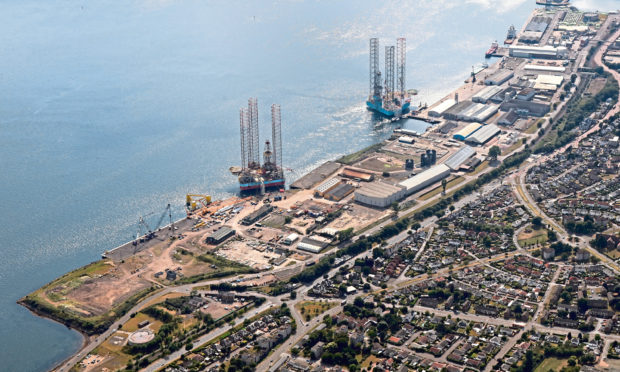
421,180
327,185
485,94
549,79
545,68
460,157
440,108
484,134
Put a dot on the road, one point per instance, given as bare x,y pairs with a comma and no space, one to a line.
517,181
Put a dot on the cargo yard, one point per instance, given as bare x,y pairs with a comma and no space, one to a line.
274,233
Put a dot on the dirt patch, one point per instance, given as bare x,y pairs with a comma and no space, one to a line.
596,85
248,252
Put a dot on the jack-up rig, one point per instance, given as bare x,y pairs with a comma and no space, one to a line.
252,175
388,100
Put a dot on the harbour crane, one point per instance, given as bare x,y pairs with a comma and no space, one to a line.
192,200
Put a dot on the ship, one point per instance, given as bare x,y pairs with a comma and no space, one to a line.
511,35
388,97
492,49
252,175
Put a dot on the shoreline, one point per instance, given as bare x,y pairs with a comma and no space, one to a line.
87,339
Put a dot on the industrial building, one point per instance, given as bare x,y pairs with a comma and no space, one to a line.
484,134
220,235
534,30
257,215
485,94
438,110
525,94
525,108
339,192
549,80
357,174
470,111
327,185
499,77
508,118
558,69
522,51
467,131
379,194
311,245
455,161
292,238
424,179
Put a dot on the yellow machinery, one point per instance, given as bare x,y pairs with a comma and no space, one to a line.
192,200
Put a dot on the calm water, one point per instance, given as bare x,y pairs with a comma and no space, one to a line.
112,110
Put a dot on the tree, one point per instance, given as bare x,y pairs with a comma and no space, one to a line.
444,183
395,207
572,361
494,152
293,295
582,305
345,234
537,222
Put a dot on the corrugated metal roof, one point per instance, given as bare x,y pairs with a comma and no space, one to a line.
221,233
484,134
425,176
460,157
439,109
468,130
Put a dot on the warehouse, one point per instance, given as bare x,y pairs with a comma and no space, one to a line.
453,112
311,245
426,178
325,186
356,174
525,108
379,194
339,192
499,77
292,238
220,235
522,51
485,94
526,94
481,113
549,80
558,69
508,118
484,134
441,108
455,161
467,131
257,215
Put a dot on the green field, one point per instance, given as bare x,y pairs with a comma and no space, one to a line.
551,364
534,237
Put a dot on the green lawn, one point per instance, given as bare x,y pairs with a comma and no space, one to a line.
553,364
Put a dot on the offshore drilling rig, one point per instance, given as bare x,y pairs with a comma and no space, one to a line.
390,99
252,175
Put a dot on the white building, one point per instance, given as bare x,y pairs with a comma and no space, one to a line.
426,178
438,110
523,51
379,194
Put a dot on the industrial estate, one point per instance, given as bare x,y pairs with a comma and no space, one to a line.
489,242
